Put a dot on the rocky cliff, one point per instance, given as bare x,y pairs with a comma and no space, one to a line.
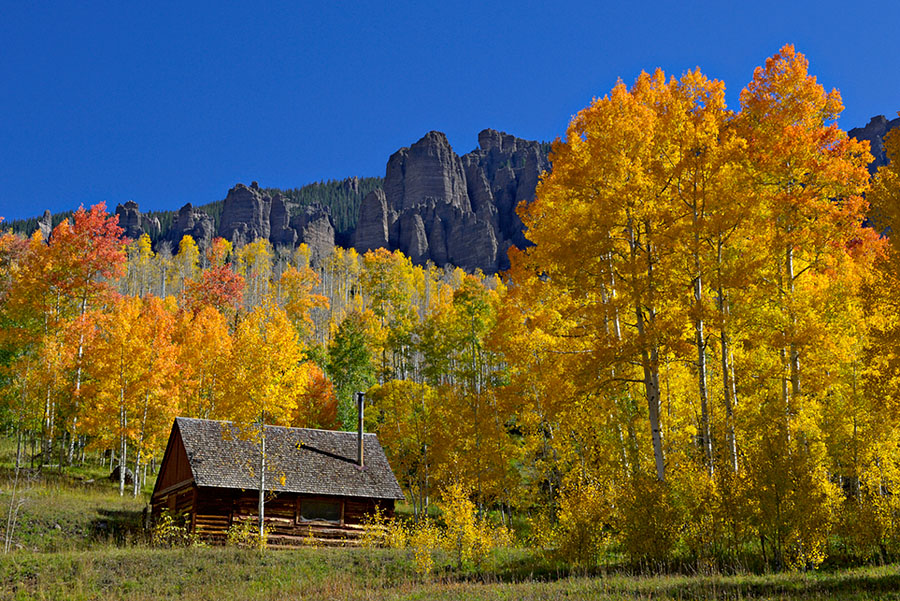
440,207
251,213
874,132
190,222
133,222
433,204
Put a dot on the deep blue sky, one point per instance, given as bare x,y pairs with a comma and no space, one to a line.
167,103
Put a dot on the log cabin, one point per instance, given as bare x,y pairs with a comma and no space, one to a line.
320,484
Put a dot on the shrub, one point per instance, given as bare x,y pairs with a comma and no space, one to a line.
581,533
173,531
381,531
246,534
468,537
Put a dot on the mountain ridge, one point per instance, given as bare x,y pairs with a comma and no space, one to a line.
432,204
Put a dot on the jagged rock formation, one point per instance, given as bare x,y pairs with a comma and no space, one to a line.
313,226
250,213
246,214
191,222
372,228
434,205
444,208
45,224
874,132
135,224
280,231
427,171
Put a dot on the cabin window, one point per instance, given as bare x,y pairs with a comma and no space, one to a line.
320,510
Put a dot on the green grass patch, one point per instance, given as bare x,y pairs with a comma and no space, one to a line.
140,573
77,539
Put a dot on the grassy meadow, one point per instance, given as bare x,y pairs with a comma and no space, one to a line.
142,573
76,539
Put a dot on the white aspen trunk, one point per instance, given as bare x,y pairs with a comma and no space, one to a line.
653,410
728,388
46,434
649,357
80,355
137,472
20,437
617,331
794,351
262,480
19,446
783,357
123,423
701,370
137,459
700,336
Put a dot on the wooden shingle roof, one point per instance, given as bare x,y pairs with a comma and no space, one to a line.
315,462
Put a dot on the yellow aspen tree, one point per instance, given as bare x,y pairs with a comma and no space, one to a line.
205,355
254,262
138,268
810,177
117,364
410,423
297,288
186,264
267,379
602,225
386,283
158,396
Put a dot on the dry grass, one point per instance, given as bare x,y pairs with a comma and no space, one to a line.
78,540
140,573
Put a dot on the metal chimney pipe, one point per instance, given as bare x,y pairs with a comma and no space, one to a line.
360,404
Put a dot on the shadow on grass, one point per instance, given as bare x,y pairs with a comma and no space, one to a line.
119,526
860,582
834,585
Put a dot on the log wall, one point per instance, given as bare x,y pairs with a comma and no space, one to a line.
212,511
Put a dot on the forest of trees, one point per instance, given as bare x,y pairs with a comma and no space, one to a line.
341,199
698,358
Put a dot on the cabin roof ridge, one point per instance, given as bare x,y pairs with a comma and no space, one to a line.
302,460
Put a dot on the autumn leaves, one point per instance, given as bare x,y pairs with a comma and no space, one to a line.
702,276
698,357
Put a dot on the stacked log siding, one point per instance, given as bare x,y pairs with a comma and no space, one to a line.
207,476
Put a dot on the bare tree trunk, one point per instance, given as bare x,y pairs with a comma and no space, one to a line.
701,371
123,423
727,389
137,459
262,481
649,356
794,351
80,354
